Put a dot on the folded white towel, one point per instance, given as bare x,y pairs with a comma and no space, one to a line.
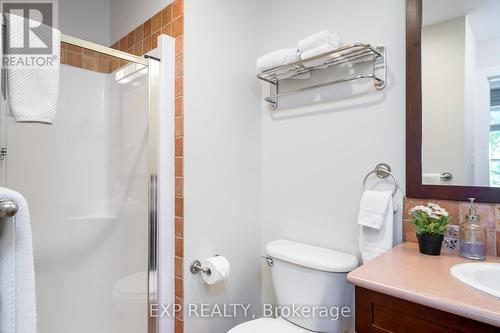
373,207
17,275
316,52
376,219
318,39
317,62
33,88
277,58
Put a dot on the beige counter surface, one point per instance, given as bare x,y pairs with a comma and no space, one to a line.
405,273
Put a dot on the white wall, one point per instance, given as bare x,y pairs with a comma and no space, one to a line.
443,122
88,20
488,53
303,171
314,159
127,15
222,152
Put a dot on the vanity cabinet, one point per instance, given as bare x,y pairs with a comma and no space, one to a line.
376,312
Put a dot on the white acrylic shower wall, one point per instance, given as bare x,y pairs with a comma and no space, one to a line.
86,181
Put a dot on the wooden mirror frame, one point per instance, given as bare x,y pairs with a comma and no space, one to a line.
414,186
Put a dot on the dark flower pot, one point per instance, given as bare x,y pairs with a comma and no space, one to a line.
430,245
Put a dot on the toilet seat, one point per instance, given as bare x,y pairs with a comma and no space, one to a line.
268,325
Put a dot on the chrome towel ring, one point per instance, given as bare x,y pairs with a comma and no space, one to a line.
382,170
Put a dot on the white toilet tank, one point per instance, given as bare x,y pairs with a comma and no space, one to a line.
311,287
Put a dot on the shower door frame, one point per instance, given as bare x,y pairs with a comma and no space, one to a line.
153,219
153,225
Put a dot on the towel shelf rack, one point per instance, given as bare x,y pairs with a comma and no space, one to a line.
354,53
8,208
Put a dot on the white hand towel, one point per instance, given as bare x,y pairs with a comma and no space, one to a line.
277,58
373,207
372,241
17,275
33,88
320,38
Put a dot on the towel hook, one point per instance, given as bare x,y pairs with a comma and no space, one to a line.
382,170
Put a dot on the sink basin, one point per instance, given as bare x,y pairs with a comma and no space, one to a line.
484,277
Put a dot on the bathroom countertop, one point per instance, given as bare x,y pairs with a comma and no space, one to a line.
404,273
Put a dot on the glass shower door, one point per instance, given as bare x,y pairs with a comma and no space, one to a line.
86,179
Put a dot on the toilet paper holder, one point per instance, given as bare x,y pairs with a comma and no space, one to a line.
196,268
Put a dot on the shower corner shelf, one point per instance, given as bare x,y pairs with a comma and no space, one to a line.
354,53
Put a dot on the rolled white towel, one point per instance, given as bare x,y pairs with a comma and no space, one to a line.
277,58
320,60
315,52
318,39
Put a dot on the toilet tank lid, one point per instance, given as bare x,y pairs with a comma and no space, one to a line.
311,256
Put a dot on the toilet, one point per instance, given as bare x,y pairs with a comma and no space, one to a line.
311,278
130,300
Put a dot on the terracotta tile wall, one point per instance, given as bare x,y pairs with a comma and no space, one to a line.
169,21
91,60
489,217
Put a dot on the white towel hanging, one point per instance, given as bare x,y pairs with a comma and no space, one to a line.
33,89
17,275
376,237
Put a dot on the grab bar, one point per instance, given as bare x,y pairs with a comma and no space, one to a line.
8,208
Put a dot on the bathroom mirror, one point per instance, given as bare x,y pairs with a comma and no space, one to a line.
453,99
461,92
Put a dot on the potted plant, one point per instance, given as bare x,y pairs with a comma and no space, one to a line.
431,222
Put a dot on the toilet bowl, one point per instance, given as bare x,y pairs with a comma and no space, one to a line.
130,300
310,278
268,325
129,294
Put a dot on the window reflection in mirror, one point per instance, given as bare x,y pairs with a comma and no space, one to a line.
461,92
495,131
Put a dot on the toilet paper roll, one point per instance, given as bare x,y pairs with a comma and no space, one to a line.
219,269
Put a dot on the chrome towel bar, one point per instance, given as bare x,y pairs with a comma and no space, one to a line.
8,208
382,170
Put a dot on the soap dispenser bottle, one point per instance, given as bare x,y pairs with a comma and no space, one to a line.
472,236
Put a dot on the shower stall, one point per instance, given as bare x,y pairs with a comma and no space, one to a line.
94,181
